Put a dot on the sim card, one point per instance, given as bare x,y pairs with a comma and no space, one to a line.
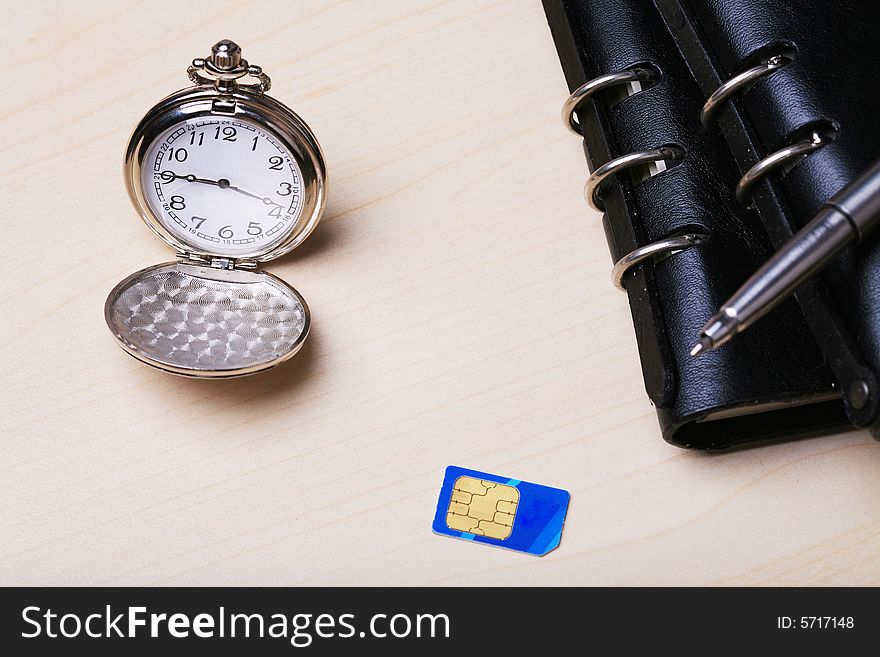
485,508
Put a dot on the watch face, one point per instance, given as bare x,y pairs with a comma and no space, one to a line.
223,186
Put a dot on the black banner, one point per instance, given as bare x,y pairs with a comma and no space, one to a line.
276,621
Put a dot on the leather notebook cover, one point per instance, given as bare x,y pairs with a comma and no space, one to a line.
829,87
769,383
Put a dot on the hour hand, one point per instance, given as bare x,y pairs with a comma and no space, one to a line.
168,176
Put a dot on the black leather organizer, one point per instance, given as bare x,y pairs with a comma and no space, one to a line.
810,366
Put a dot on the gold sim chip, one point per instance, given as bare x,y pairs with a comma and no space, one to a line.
481,507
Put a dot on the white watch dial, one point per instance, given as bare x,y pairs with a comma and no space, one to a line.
224,186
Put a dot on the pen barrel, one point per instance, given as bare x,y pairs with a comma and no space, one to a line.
816,243
860,201
844,218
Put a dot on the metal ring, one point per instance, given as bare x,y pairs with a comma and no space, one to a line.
263,84
796,150
618,164
738,83
590,87
651,251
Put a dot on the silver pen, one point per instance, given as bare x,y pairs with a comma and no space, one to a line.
845,218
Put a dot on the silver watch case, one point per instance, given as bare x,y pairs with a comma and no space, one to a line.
209,315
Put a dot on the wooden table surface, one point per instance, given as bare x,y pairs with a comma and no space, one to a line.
463,314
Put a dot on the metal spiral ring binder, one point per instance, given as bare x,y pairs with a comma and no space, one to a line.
795,151
587,89
618,164
653,251
739,83
779,158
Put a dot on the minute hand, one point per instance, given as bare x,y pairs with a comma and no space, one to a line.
239,190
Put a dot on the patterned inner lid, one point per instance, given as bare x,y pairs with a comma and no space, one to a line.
200,320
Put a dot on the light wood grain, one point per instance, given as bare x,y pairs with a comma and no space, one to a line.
462,311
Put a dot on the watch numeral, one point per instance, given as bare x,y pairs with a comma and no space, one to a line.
178,203
254,147
167,176
225,232
275,162
199,221
275,211
287,189
178,154
192,138
229,133
254,228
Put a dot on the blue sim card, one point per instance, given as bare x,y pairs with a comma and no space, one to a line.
485,508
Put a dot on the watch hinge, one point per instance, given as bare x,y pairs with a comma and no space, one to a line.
219,262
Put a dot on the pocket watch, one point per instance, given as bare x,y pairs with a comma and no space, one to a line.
229,178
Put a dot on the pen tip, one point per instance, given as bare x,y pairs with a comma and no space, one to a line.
700,347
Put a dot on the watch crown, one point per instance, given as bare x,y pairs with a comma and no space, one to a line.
226,54
224,67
